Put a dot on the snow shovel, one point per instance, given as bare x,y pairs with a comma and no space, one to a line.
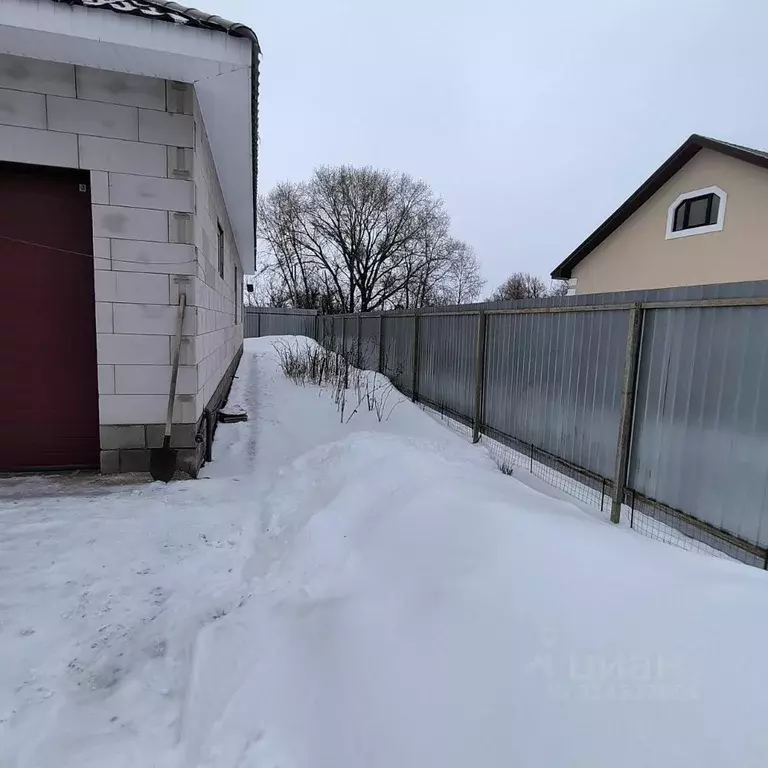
162,461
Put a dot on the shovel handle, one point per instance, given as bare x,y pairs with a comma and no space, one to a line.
175,369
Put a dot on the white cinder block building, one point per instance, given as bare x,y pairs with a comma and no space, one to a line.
127,177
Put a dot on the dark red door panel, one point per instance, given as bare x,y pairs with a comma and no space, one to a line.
49,412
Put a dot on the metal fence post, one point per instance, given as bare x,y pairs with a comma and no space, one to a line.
477,424
381,343
415,360
258,325
626,417
359,340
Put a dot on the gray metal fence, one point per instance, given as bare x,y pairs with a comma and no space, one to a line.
275,321
655,402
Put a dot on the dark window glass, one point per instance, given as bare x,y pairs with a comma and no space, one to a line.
679,217
697,212
715,209
220,245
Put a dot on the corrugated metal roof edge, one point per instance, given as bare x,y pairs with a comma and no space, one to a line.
230,27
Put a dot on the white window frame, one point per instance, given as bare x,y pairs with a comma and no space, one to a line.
705,230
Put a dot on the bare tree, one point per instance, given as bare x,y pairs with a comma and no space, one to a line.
558,288
461,281
466,281
524,285
362,239
520,285
290,276
370,221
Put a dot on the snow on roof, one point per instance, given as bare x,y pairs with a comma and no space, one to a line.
164,10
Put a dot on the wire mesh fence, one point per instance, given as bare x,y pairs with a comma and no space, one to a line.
642,515
510,455
674,527
645,402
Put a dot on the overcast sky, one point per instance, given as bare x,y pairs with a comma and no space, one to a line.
532,120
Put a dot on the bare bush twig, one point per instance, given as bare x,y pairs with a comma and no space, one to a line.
330,369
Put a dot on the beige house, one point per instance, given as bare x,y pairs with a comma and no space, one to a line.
701,218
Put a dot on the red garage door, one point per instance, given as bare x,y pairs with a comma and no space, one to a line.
49,414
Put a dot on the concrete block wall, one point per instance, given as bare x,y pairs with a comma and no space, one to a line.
156,202
218,299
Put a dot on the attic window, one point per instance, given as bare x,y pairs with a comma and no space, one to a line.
696,213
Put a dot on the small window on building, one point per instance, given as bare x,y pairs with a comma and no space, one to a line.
220,245
238,298
697,212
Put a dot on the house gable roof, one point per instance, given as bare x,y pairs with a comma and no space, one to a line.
662,175
168,11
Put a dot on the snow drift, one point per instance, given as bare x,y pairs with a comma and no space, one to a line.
367,594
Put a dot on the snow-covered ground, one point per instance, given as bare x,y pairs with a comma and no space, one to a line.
362,595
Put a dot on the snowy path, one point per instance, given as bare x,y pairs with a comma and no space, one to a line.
364,595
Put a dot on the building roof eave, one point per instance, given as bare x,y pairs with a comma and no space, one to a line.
689,149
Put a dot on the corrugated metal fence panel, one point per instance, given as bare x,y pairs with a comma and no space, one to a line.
326,330
273,321
397,356
554,380
701,418
331,332
369,343
447,361
287,325
350,338
334,337
250,324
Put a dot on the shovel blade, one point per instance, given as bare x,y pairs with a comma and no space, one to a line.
162,464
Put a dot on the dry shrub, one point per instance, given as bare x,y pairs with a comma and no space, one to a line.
352,389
